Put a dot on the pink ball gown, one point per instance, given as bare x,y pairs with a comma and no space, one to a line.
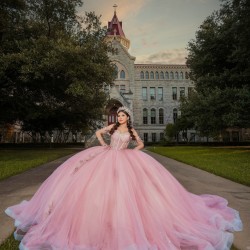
115,198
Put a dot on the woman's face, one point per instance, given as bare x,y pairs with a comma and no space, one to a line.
122,117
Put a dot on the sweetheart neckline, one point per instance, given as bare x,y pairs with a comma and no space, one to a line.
122,132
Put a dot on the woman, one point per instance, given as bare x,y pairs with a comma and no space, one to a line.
110,197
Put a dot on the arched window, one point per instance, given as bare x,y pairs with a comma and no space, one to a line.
161,75
171,75
116,71
156,75
153,116
152,76
122,74
147,75
142,75
145,116
161,116
175,114
166,75
176,75
186,75
181,75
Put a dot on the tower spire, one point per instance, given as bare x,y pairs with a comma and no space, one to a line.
115,30
115,6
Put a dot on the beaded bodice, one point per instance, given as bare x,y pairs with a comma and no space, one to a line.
120,140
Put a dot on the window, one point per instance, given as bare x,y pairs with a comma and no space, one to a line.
161,75
122,88
147,75
152,76
235,136
181,75
142,75
190,90
145,116
175,114
161,116
182,91
144,93
153,116
174,93
122,74
171,75
156,75
166,75
161,136
106,88
153,137
160,94
186,75
152,93
192,137
145,137
116,71
176,75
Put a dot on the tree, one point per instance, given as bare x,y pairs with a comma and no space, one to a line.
170,131
51,70
220,68
10,14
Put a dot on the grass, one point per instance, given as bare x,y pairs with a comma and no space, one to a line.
15,161
230,163
10,244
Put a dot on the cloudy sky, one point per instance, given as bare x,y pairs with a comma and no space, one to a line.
159,30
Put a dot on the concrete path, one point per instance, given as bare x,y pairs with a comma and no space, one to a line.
20,187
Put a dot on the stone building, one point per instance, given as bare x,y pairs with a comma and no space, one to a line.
151,91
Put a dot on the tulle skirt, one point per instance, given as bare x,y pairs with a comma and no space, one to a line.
107,199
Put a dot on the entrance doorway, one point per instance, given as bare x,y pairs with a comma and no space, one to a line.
112,108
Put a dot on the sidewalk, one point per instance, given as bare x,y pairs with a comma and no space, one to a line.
21,187
17,188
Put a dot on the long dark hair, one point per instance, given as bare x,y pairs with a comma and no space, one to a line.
129,125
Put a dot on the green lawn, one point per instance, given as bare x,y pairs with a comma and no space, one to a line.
14,161
231,163
10,244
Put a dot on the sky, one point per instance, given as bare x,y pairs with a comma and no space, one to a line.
158,30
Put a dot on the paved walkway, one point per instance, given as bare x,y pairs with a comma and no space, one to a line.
17,188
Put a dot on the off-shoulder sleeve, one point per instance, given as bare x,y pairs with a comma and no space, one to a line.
105,130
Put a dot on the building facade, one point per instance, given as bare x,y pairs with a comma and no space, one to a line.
151,91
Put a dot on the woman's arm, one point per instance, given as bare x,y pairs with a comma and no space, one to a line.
103,131
139,141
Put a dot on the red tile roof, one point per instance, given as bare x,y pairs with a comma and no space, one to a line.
115,27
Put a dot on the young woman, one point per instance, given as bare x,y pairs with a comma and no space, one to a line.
110,197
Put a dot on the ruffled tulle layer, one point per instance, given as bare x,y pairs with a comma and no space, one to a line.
106,199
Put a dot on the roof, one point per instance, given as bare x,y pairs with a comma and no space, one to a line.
115,27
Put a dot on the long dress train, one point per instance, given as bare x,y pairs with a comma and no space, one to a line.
115,198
